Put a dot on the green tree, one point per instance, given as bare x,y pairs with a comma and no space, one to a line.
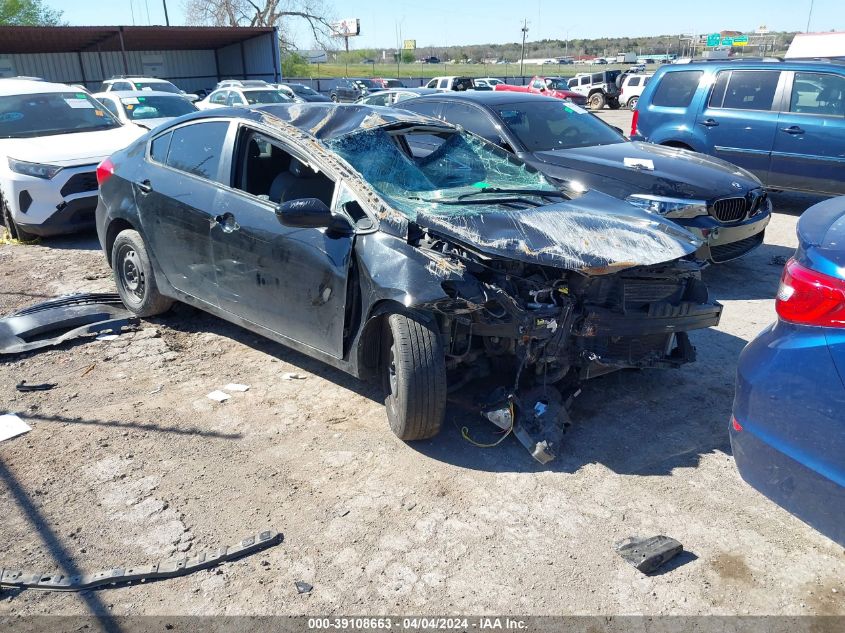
295,65
408,57
28,13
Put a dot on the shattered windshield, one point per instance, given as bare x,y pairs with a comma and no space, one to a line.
437,171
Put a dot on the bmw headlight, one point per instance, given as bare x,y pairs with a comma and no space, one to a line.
38,170
669,207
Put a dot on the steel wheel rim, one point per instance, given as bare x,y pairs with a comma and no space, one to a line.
131,272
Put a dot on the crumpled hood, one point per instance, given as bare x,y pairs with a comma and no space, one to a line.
676,172
71,149
594,233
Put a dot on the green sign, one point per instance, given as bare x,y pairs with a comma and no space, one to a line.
727,41
741,40
713,39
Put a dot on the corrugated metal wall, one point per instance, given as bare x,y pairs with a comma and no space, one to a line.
189,69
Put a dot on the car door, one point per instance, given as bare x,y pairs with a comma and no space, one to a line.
809,146
739,118
289,280
176,198
343,90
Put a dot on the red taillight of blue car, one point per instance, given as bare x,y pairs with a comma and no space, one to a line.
808,297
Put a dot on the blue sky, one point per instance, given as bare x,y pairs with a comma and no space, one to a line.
450,22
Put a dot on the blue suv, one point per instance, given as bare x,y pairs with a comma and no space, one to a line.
783,121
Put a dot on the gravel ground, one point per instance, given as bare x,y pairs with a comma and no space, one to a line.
129,462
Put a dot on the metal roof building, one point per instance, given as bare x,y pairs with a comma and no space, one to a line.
192,57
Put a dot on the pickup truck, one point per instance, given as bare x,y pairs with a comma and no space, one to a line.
549,86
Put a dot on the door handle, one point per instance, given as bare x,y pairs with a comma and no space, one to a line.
144,186
709,123
792,129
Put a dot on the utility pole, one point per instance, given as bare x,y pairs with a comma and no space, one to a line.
166,18
522,59
809,16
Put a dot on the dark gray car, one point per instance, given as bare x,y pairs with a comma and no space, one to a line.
723,204
318,226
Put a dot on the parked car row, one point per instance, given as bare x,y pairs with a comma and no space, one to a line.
460,230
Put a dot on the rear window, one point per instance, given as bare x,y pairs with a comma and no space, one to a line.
745,89
197,148
161,86
676,89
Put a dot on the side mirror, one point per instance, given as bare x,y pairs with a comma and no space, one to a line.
542,89
306,213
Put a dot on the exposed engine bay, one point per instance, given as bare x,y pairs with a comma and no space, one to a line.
550,329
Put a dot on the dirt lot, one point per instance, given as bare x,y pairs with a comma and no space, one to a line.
129,462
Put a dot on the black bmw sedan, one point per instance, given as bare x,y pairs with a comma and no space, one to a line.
723,204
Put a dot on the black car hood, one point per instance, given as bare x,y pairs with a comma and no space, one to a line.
593,233
677,172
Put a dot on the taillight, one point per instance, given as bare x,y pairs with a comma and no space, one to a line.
808,297
735,423
104,171
634,118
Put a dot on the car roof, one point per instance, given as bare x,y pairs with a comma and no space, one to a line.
148,79
125,94
488,97
14,86
759,64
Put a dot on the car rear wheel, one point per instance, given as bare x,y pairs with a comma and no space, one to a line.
413,376
632,102
134,278
12,228
597,101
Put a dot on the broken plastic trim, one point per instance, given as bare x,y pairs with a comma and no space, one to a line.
57,320
156,571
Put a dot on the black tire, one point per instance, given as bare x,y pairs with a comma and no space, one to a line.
134,277
632,102
413,376
12,228
597,101
614,103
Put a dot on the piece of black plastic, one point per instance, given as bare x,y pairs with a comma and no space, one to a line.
58,320
647,554
44,386
156,571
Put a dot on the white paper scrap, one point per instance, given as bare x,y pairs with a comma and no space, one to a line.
218,396
233,386
639,163
291,376
107,337
12,426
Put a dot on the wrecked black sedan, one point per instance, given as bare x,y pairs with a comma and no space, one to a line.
317,226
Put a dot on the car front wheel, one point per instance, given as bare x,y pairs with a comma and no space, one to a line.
632,102
134,278
597,101
14,231
414,377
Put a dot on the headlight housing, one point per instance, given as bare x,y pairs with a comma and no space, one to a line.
669,207
37,170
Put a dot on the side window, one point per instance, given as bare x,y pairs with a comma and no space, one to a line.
431,84
219,97
269,172
426,108
634,81
198,148
537,83
444,83
585,81
234,98
472,120
818,93
122,85
598,78
676,89
109,105
159,147
378,99
747,90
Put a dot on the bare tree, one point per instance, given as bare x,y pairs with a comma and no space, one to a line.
263,13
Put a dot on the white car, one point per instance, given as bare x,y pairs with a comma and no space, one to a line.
632,88
446,84
234,97
490,82
52,137
144,83
145,108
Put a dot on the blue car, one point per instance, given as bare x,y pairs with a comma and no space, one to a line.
788,426
782,121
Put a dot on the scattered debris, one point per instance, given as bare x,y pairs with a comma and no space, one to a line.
293,376
12,426
156,571
303,587
88,371
233,386
45,386
156,390
58,320
218,396
106,337
779,260
647,554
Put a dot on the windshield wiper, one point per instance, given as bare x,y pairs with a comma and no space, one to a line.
545,193
487,201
